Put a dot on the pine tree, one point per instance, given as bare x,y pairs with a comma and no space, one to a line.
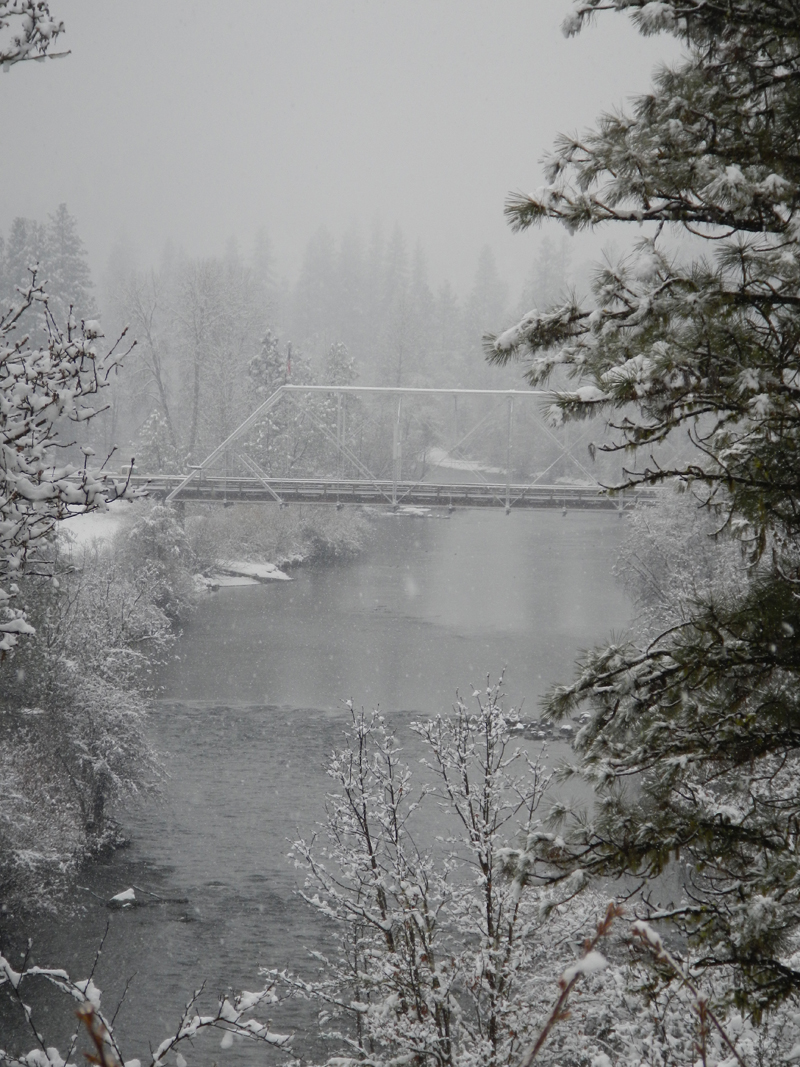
548,279
25,249
487,302
155,449
263,270
268,369
704,348
69,277
316,294
339,366
396,317
351,322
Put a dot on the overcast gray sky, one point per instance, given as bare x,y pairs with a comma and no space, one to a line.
198,121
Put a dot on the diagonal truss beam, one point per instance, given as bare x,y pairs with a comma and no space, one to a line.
455,450
240,430
260,473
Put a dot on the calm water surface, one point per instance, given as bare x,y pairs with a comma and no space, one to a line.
252,704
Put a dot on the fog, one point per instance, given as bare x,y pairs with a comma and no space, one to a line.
196,123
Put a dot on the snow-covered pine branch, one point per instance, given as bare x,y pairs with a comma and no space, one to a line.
46,394
690,349
669,342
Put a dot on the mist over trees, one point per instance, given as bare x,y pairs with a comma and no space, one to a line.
202,325
54,247
213,334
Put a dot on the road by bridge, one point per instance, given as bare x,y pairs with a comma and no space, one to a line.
212,488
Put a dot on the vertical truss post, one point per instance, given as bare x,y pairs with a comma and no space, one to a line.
508,452
344,430
397,456
338,436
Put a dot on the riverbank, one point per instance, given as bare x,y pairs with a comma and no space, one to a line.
76,746
252,533
268,534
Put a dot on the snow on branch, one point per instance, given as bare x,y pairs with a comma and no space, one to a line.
27,31
231,1017
46,390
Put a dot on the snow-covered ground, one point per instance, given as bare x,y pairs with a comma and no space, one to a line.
96,525
259,572
222,581
438,457
412,511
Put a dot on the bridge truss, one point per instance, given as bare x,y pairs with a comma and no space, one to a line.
457,449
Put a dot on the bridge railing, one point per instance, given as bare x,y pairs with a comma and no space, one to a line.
451,495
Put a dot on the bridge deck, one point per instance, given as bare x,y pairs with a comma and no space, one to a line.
220,489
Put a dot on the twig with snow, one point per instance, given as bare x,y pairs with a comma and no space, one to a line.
651,940
591,962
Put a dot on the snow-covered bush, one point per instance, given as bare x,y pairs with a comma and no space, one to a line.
232,1016
451,949
72,722
673,556
269,534
442,957
152,544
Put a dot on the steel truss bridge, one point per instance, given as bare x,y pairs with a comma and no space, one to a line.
230,474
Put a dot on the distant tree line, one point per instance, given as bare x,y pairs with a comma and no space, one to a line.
56,249
213,335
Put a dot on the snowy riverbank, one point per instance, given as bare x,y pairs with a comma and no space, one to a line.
241,546
241,572
100,527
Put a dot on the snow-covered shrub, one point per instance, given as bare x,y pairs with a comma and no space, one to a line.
153,543
453,950
94,1038
46,391
442,957
269,534
450,951
73,711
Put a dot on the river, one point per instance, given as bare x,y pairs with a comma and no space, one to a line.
252,703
